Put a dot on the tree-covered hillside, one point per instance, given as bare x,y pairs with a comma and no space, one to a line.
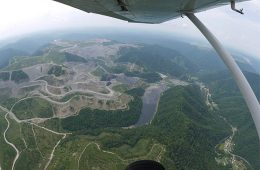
19,76
188,129
232,106
7,54
158,59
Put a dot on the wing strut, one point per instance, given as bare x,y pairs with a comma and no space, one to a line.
233,7
237,74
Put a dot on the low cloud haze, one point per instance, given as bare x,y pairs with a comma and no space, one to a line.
30,16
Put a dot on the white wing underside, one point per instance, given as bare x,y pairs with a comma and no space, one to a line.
144,11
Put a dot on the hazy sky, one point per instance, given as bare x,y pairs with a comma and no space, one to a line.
25,16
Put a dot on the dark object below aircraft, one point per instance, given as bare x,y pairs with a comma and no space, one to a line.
145,165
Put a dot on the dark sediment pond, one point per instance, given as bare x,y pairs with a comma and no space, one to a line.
150,102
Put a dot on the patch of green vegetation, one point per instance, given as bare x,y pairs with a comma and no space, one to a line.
21,62
4,76
56,70
8,102
107,77
120,88
14,134
45,141
149,77
74,58
55,57
52,80
53,124
52,56
136,92
32,108
7,153
74,95
97,159
5,94
19,76
221,147
141,148
28,89
119,69
67,88
67,154
99,72
30,157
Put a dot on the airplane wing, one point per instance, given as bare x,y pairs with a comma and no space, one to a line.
144,11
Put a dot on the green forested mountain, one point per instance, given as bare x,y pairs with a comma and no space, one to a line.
7,54
223,85
188,129
232,106
158,59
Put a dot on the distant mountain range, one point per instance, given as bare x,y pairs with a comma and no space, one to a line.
202,56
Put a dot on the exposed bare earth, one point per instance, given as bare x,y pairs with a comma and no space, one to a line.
67,93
